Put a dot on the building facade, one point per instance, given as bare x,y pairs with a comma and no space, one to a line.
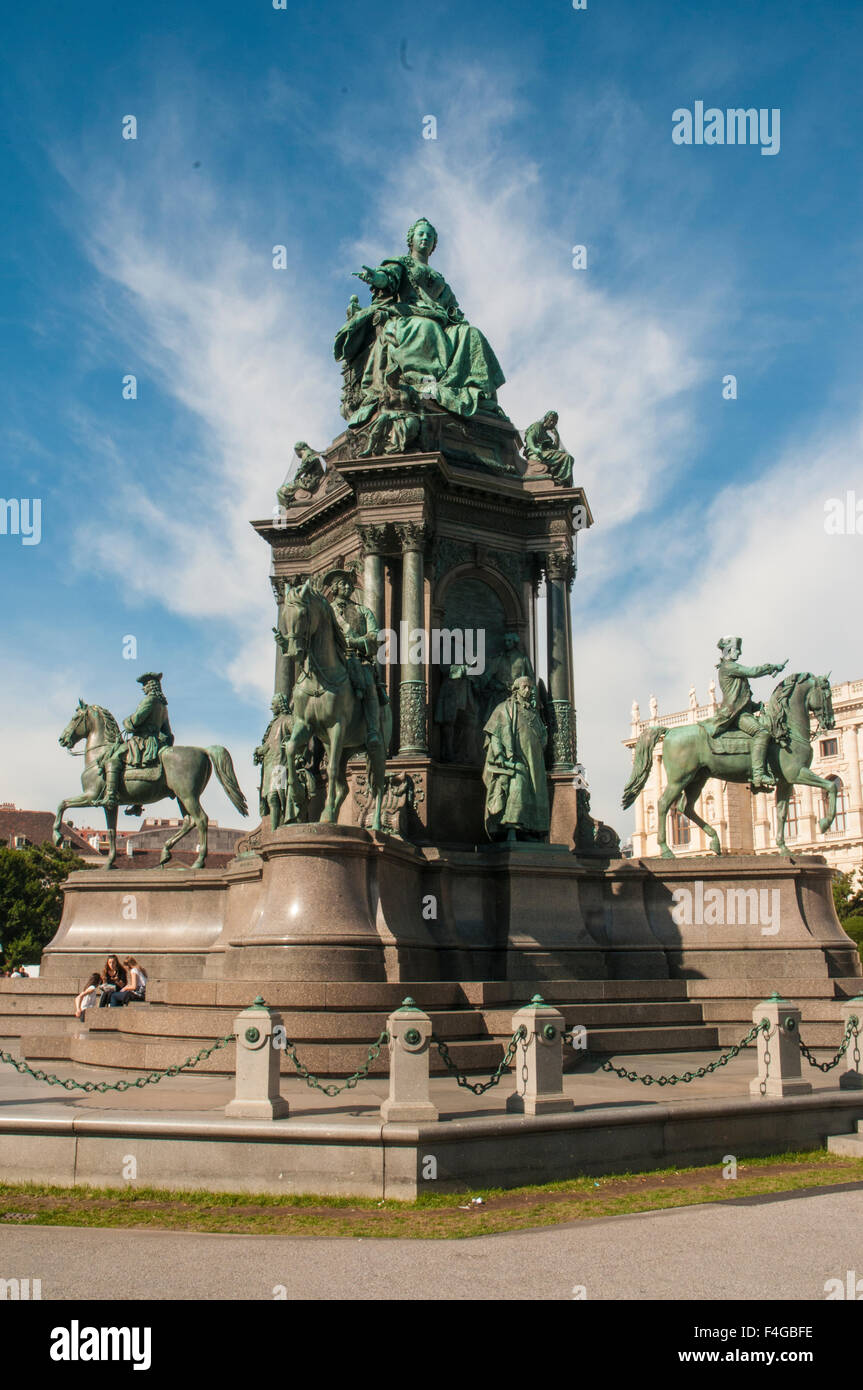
745,822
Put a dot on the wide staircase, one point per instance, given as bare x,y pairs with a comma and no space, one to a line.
333,1025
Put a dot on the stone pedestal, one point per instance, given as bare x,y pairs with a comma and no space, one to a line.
257,1079
410,1038
779,1050
538,1062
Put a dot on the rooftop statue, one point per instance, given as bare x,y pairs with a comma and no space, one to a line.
414,335
542,443
769,746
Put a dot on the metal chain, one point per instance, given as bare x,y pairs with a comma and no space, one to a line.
672,1080
333,1089
851,1031
768,1034
102,1086
480,1087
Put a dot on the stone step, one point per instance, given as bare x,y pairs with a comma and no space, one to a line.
123,1055
670,1038
624,1015
822,1035
62,987
813,1011
427,994
155,1020
848,1145
795,989
23,1025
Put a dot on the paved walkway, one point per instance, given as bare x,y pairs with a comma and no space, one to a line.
783,1247
201,1094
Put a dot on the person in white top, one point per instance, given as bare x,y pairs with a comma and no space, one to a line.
89,995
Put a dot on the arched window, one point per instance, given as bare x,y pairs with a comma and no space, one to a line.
838,826
681,828
791,823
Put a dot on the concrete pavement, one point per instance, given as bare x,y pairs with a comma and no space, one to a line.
783,1247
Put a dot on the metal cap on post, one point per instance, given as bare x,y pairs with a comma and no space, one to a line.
539,1065
851,1079
410,1033
778,1050
257,1085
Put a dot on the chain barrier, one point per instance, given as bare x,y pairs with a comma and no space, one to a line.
102,1086
852,1031
334,1089
647,1080
479,1088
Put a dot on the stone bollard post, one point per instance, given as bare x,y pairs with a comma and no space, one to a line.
539,1061
851,1079
410,1033
257,1065
779,1051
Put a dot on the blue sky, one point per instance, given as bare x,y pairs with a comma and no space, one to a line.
303,127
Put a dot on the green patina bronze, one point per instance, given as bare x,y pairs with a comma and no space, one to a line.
335,697
145,768
767,747
306,478
542,444
516,805
413,343
275,799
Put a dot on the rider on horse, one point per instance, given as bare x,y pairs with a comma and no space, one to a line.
740,711
150,732
360,631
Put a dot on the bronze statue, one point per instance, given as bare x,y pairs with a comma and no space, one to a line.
149,732
514,773
542,443
270,755
178,772
333,695
307,476
740,711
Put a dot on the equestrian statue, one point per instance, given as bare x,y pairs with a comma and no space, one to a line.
768,746
144,766
337,695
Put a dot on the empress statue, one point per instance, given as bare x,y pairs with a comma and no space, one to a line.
413,336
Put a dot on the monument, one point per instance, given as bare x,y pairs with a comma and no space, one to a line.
424,816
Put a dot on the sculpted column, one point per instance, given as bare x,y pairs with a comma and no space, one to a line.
560,572
412,689
373,540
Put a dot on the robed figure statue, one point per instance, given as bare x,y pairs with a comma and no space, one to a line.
514,774
414,334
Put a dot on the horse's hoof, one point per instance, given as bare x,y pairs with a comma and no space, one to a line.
717,848
784,850
824,824
199,864
110,864
666,853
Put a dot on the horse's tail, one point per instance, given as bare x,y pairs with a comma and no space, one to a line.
221,760
642,760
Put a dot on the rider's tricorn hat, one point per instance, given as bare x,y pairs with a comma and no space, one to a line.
335,575
149,676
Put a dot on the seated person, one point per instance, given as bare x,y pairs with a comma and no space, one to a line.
89,995
113,979
135,989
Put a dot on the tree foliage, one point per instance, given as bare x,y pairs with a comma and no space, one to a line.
31,898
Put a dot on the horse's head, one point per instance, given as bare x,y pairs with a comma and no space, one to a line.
820,702
297,620
76,729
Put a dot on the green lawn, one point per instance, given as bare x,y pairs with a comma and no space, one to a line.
435,1215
